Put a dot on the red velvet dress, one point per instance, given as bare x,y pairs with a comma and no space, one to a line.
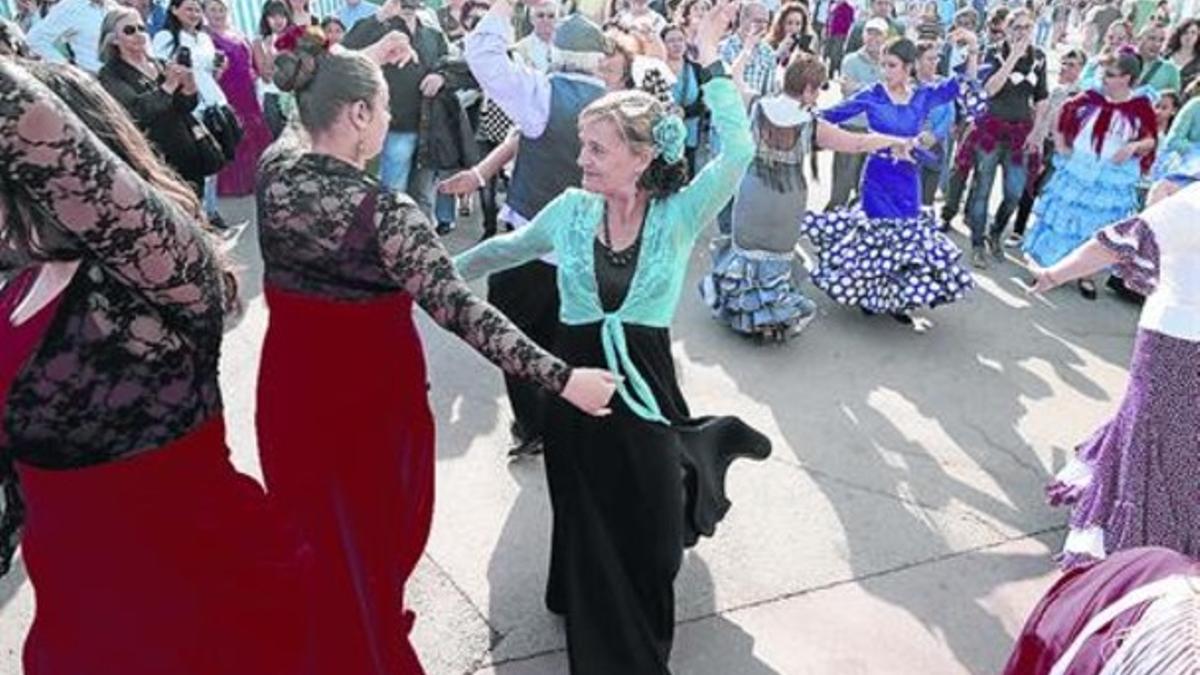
166,562
347,445
344,426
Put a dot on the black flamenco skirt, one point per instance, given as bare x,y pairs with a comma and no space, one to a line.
629,496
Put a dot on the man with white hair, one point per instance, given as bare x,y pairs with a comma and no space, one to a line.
545,107
537,48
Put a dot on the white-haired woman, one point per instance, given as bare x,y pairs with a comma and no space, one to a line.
630,491
159,96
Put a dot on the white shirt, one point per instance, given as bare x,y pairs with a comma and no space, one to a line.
204,54
75,23
1174,306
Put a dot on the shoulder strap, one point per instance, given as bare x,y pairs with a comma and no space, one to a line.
1149,74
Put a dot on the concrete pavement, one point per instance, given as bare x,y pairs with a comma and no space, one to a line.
898,527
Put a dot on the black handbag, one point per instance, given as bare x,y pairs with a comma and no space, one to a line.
225,127
208,157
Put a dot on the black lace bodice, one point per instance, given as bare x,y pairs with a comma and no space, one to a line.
326,230
129,361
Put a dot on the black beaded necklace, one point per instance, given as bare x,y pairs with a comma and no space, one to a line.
627,255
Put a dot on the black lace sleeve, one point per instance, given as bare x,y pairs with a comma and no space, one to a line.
99,202
415,257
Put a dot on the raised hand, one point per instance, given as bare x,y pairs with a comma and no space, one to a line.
712,28
395,49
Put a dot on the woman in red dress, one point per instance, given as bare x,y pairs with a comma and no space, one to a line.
147,551
344,427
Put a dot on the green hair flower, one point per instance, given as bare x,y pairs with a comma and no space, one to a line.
670,136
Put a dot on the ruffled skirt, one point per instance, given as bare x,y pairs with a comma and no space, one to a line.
1134,482
885,265
1084,194
756,292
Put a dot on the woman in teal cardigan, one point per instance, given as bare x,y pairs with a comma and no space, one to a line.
631,490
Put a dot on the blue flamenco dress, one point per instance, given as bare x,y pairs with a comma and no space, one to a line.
1088,190
887,255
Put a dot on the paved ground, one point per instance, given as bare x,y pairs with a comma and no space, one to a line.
897,528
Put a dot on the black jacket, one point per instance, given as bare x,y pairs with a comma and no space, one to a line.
404,84
446,140
166,119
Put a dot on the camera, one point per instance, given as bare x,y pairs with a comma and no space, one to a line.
184,57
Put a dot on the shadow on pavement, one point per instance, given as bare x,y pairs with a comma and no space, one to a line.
706,645
931,422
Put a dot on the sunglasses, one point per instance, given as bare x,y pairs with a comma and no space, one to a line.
133,29
544,15
1022,26
1113,73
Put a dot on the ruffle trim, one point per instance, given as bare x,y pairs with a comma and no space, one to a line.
1073,208
1134,244
754,292
885,265
1069,483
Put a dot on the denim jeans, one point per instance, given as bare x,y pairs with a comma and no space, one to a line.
398,173
986,166
210,194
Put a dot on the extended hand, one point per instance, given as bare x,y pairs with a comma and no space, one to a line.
903,150
1043,281
590,390
461,183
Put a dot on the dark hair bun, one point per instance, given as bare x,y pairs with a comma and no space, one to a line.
663,178
295,68
903,49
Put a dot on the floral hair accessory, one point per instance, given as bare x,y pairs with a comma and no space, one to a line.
669,135
290,38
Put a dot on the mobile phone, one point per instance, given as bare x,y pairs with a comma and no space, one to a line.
183,57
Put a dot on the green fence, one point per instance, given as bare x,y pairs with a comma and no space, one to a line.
247,12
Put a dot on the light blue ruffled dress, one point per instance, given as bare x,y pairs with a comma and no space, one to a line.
1087,192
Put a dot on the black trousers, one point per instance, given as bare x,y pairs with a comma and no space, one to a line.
528,296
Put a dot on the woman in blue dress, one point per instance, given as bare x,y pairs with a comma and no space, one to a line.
887,256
